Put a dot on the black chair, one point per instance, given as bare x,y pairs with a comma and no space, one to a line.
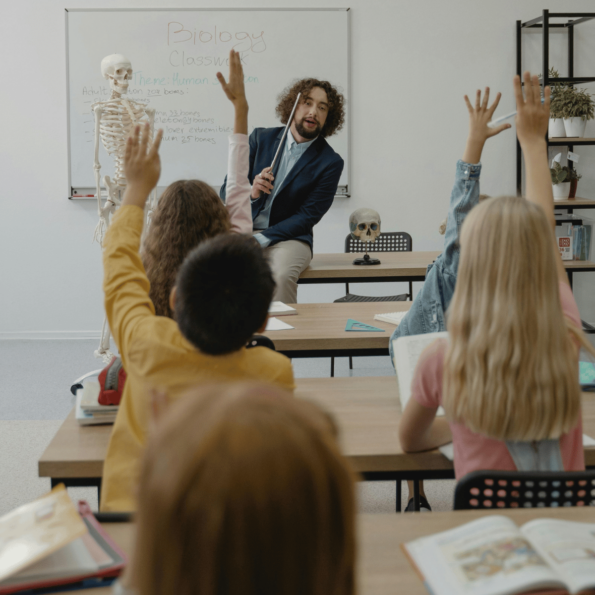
482,490
392,241
260,341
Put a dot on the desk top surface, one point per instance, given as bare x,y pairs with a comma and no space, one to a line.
367,410
322,326
382,565
392,264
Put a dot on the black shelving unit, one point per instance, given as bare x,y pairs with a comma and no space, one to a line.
544,23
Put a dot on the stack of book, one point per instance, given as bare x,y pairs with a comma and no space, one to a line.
88,411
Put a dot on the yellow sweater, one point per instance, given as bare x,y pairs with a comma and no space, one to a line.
156,355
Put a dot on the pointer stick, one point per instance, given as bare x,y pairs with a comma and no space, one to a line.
297,100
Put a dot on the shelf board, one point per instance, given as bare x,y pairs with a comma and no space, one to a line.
570,140
571,79
574,203
578,265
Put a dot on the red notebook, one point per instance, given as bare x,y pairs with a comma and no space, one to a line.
49,543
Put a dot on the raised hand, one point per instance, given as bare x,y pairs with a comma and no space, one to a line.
479,131
532,116
234,89
263,182
142,165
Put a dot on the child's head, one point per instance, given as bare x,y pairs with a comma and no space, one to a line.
244,491
223,292
188,212
511,369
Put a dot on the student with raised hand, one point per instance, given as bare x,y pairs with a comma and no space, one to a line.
221,298
507,376
427,313
244,491
190,211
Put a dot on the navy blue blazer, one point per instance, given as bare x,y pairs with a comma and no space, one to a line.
307,192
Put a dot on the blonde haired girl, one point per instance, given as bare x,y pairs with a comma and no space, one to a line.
508,375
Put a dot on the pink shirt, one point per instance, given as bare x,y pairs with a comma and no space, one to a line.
474,452
238,188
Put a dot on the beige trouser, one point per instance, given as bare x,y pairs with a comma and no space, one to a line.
288,259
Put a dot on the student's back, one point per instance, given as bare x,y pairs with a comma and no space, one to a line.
222,295
244,492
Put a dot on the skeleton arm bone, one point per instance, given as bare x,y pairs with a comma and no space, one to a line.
102,224
152,202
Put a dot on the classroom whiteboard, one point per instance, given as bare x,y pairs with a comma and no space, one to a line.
175,55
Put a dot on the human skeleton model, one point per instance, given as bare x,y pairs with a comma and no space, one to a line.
115,120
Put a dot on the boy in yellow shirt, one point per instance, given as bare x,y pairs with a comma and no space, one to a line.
222,295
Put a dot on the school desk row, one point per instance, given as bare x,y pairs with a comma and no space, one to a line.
367,410
382,567
394,266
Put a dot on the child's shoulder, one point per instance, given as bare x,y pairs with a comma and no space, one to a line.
433,355
270,365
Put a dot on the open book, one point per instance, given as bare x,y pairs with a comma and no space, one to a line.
48,543
406,353
492,556
281,309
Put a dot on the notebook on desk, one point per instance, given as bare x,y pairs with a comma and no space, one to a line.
391,317
48,543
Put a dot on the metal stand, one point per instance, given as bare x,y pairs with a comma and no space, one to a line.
366,260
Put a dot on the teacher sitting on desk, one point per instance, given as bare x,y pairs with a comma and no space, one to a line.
288,202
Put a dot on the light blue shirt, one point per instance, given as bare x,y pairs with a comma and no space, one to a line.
290,156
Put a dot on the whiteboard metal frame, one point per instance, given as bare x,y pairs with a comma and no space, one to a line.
342,191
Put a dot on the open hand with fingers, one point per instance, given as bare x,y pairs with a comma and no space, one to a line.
532,116
480,115
142,165
234,88
263,182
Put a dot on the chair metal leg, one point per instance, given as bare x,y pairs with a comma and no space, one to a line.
332,367
416,495
398,507
410,291
350,363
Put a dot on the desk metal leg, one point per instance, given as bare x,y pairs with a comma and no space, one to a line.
79,482
416,496
398,495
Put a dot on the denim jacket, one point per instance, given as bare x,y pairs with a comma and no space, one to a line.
427,311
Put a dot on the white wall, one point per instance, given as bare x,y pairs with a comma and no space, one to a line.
412,62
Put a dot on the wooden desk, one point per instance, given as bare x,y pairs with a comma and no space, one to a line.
367,410
320,330
394,266
382,567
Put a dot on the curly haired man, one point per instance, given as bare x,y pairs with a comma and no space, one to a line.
288,202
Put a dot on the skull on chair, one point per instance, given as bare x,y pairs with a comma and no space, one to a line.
117,69
364,225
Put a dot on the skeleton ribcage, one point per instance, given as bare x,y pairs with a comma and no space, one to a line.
118,119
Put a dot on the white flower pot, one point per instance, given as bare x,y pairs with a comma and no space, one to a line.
575,127
556,128
561,190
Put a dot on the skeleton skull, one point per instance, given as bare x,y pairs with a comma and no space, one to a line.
364,225
118,71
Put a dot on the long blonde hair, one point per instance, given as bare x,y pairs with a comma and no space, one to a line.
244,492
511,367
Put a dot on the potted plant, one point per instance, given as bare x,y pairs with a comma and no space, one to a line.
574,177
560,181
576,106
556,126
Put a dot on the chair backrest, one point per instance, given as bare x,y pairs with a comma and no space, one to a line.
260,341
515,489
391,241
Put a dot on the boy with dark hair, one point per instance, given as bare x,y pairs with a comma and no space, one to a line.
223,292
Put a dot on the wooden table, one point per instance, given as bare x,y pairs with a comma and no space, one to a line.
367,410
382,568
320,330
394,266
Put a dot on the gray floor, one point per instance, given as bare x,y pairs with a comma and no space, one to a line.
35,398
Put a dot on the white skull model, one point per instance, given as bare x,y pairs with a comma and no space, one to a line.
115,120
364,225
117,69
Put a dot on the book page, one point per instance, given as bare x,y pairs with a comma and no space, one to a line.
406,354
568,547
489,556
